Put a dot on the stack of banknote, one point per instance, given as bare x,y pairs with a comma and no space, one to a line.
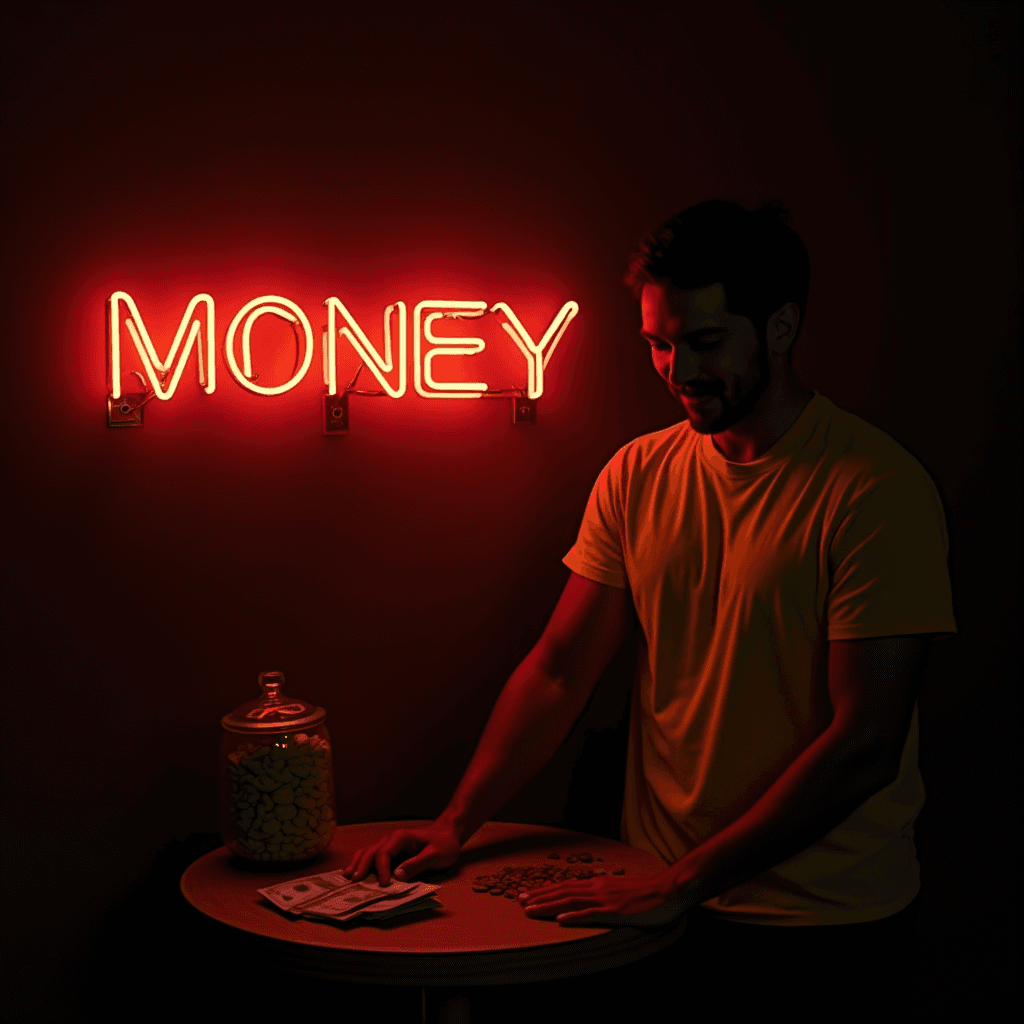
332,897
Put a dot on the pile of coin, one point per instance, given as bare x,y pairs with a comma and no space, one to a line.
511,881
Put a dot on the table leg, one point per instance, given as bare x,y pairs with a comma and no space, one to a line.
448,1006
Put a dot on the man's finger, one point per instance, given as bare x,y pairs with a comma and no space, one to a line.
383,864
548,892
408,868
389,854
554,907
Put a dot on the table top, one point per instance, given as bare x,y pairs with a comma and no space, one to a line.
475,938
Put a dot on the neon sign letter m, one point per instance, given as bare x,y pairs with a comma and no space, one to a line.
157,370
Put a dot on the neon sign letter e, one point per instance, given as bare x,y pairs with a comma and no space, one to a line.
451,309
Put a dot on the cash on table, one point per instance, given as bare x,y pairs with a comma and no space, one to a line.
332,897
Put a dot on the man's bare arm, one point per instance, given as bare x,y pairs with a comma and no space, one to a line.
533,715
541,700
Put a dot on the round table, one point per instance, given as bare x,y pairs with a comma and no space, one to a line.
474,939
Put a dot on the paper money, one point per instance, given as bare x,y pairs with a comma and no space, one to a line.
331,896
381,909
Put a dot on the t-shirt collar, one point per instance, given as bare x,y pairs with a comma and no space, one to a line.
797,435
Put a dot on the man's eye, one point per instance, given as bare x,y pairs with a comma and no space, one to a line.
704,346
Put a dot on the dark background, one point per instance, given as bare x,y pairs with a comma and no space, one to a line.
398,574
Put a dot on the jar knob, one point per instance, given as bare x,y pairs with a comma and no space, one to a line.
272,682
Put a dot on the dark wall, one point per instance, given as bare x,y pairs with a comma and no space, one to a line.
398,574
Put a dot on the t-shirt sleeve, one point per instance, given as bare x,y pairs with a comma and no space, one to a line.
888,562
598,551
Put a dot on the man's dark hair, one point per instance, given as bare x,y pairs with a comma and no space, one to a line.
761,262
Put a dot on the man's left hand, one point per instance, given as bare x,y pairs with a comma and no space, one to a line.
605,902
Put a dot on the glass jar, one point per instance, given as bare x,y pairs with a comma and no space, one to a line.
276,777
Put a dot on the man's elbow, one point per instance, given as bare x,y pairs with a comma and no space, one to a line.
876,760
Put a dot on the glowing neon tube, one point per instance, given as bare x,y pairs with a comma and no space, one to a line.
157,369
249,313
537,358
452,309
353,333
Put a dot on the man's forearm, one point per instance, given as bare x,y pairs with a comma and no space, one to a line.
818,791
528,723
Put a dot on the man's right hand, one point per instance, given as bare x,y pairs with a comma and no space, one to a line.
435,846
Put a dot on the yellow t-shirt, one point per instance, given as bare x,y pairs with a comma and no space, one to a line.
741,574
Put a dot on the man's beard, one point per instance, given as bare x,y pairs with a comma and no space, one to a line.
733,414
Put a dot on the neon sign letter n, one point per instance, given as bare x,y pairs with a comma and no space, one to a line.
157,369
353,333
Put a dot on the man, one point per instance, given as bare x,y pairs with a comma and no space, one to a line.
787,562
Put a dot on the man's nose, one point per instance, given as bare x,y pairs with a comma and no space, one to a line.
682,368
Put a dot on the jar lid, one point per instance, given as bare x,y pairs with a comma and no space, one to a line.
273,712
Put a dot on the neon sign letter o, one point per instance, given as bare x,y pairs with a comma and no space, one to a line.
250,312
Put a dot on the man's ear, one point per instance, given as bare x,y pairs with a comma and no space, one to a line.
782,327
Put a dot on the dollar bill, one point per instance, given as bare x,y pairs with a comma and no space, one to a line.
420,903
332,896
349,904
382,909
300,893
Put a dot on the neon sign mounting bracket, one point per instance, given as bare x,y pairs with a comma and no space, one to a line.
128,410
524,409
336,413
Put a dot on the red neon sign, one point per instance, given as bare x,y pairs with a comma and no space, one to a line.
198,333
